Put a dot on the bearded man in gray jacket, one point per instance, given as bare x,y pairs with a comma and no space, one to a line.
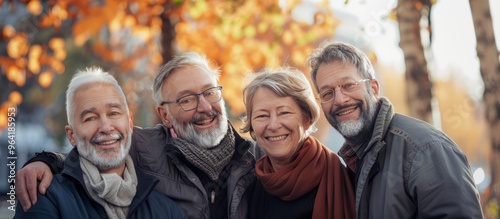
203,164
402,167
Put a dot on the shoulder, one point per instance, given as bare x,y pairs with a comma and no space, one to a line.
148,133
247,146
417,133
149,141
165,206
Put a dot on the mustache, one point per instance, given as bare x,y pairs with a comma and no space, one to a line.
100,138
204,116
340,108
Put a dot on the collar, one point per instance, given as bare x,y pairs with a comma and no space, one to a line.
145,183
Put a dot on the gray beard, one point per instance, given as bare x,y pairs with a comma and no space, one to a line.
205,138
353,128
89,153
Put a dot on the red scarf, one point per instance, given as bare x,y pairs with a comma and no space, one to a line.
313,166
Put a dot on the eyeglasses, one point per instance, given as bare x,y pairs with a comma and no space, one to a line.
190,102
347,88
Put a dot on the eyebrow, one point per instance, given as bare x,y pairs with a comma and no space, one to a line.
92,109
183,93
341,80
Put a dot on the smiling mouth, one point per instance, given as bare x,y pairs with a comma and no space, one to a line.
276,138
345,112
104,140
107,142
205,121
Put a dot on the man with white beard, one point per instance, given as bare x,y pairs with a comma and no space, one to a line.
402,167
99,178
202,162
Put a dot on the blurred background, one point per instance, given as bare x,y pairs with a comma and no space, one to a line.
437,60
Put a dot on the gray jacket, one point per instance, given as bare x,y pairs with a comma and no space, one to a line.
177,181
409,169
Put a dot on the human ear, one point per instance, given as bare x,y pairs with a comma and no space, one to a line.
70,134
162,112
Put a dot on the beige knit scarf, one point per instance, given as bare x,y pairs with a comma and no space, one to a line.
113,192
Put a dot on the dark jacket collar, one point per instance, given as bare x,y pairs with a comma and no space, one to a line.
382,122
145,183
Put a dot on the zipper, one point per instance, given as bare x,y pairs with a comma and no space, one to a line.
212,199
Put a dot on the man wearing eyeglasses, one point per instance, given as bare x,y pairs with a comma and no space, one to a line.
402,167
203,164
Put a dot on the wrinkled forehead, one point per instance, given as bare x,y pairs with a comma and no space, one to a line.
188,79
94,94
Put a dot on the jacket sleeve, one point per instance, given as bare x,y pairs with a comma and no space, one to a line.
53,159
440,182
43,209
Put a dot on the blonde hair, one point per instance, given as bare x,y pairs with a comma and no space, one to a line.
285,82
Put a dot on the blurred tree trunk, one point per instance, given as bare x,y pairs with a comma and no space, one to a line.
167,51
490,72
418,84
167,38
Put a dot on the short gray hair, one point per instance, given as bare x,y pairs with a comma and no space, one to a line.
285,82
331,51
180,61
88,76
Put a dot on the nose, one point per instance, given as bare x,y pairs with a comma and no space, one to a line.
340,98
106,125
203,104
274,123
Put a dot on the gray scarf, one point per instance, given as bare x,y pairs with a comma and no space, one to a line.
113,192
211,161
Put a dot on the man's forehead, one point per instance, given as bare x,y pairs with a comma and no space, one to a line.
188,79
98,93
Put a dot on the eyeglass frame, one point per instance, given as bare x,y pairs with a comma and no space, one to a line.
218,88
356,83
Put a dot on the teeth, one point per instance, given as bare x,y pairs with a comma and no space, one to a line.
345,112
277,138
108,142
206,121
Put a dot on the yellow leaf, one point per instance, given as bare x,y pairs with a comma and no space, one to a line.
129,21
12,72
157,10
34,66
15,97
142,32
34,7
56,43
35,52
80,39
60,54
18,46
86,27
287,37
8,31
15,75
3,118
21,62
57,66
45,79
157,59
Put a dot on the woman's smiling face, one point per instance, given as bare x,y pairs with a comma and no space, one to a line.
279,126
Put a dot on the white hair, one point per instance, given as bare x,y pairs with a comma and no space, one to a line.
88,76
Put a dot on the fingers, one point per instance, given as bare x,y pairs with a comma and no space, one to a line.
31,186
21,191
26,183
45,182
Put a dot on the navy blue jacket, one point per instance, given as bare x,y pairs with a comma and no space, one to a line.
67,197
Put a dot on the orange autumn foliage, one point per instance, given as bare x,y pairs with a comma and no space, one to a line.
239,36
